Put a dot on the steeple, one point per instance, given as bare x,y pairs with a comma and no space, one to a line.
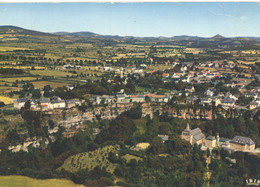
188,127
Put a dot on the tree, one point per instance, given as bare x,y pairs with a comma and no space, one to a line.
36,94
47,91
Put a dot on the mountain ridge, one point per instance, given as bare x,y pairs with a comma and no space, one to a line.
4,29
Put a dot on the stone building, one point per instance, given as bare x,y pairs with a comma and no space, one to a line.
210,142
194,136
240,143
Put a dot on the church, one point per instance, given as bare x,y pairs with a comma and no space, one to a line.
194,136
238,143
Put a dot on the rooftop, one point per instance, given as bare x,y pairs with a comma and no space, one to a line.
242,140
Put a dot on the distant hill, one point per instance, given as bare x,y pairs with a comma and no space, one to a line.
8,29
13,33
186,37
218,37
78,34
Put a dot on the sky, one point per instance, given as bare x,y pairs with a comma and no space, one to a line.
228,19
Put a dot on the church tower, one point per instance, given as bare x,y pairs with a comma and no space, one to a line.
187,134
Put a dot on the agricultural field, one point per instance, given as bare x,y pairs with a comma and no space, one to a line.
22,181
13,79
6,100
157,67
6,89
22,67
4,48
91,159
41,84
50,73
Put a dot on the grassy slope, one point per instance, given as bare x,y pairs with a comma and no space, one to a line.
13,180
91,159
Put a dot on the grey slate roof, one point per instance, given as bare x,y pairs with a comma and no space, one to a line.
21,100
242,140
211,137
45,100
72,101
197,134
164,137
57,101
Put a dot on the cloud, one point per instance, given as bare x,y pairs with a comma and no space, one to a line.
219,14
221,6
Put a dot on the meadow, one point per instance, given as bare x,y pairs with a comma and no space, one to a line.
22,181
41,84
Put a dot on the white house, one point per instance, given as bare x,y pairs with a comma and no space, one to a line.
58,104
209,92
45,104
19,103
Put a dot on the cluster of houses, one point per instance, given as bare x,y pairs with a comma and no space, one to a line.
124,98
47,103
226,100
238,143
70,67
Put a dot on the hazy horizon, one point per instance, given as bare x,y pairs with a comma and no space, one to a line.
229,19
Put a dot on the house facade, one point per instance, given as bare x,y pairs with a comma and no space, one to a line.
241,143
19,103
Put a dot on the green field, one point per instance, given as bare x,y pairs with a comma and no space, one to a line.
158,67
41,84
91,159
22,181
50,73
129,157
13,79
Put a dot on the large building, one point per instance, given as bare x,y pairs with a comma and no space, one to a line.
212,142
240,143
194,136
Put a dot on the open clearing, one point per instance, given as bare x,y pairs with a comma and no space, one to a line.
22,181
129,157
